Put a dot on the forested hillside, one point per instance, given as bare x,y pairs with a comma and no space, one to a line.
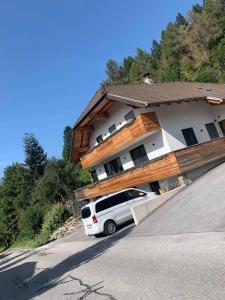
191,49
33,193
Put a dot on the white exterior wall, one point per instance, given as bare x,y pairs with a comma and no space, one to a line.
172,118
175,117
116,116
218,112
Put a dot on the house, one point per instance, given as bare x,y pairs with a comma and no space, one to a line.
149,136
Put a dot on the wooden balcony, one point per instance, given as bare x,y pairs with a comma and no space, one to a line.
142,125
172,164
199,155
164,167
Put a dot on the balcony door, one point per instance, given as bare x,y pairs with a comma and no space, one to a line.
113,167
139,155
212,131
189,136
222,126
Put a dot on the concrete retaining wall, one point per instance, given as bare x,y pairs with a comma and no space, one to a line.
141,211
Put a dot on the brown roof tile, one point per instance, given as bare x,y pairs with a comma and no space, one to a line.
152,94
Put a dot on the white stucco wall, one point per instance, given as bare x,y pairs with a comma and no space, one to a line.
116,116
218,112
175,117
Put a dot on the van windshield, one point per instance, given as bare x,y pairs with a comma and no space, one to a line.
85,212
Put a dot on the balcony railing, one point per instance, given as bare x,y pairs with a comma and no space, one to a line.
171,164
141,125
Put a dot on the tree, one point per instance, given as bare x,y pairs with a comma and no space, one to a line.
191,48
112,71
8,219
67,138
155,54
15,196
35,157
140,66
59,181
18,182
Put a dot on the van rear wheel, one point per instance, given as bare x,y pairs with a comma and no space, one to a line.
109,227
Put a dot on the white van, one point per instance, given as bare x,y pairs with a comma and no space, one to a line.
106,213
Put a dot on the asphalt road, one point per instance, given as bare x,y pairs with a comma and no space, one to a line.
176,253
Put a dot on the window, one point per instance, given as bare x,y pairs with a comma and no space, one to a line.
133,194
118,199
110,202
113,167
99,139
130,116
85,212
212,131
189,136
139,155
102,205
112,128
222,126
94,175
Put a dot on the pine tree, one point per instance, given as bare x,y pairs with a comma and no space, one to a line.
35,157
67,138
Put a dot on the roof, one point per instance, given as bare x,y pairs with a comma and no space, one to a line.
154,94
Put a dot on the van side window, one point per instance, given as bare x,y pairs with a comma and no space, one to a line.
132,194
102,205
118,199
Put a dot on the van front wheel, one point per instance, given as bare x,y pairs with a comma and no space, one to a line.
109,227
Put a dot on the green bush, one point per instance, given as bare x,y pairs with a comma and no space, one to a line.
31,221
55,217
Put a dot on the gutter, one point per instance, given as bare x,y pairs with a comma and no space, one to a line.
129,99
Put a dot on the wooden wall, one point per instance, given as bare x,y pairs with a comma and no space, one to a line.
199,155
157,170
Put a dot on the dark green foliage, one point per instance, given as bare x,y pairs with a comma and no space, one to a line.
67,140
59,181
15,196
119,74
55,217
191,49
8,219
141,65
31,221
35,157
18,183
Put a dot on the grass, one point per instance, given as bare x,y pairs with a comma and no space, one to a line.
23,244
2,249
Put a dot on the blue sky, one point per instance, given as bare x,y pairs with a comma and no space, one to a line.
52,60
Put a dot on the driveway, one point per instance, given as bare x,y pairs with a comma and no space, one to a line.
176,253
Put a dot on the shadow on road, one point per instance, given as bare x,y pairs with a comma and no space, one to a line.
28,286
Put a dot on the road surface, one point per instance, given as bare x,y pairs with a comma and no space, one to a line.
176,253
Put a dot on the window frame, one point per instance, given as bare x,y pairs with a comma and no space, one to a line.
129,119
186,137
99,137
141,159
110,129
212,135
109,169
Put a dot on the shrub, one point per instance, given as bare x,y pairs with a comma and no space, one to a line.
55,217
31,221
